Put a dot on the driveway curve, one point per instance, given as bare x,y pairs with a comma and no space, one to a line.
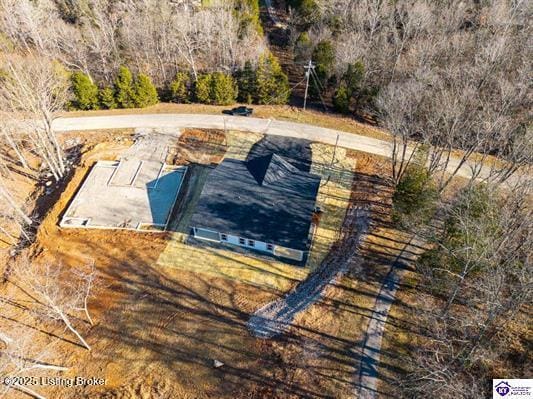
257,125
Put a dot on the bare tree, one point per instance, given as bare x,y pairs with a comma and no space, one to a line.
58,299
399,105
22,356
8,136
35,89
481,268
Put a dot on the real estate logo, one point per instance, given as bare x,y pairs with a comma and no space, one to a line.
502,388
522,388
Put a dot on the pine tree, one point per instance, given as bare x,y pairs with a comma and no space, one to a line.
341,100
350,87
272,84
249,14
324,58
124,89
179,88
145,92
223,89
202,88
85,90
107,98
246,83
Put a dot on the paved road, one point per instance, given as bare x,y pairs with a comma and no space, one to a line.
371,350
267,126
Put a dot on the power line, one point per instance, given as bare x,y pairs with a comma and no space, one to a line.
308,71
318,86
289,90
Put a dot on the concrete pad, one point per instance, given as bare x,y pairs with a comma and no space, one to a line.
126,172
126,194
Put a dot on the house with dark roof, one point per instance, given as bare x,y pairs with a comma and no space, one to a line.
263,204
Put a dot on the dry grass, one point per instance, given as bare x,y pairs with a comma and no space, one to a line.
337,172
226,263
239,143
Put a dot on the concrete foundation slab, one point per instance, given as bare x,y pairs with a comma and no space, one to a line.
126,194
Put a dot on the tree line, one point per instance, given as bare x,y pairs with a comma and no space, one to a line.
264,84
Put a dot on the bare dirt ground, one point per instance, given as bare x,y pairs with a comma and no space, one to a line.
165,312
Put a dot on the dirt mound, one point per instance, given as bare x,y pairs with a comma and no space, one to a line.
203,146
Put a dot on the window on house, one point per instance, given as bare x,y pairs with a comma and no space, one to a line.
251,243
270,247
242,241
223,237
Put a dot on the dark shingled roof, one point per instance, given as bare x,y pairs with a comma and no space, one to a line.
265,198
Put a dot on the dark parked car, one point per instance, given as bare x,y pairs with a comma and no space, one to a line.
240,111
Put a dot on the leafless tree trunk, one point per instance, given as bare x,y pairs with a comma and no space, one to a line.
35,90
46,283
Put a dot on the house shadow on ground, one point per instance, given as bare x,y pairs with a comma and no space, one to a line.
297,152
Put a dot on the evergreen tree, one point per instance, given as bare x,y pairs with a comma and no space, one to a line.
124,88
248,12
271,83
350,87
341,100
324,57
307,13
179,88
354,76
145,92
85,90
303,48
107,98
223,89
246,80
202,88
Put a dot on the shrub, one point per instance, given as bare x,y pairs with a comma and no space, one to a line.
341,100
202,88
85,91
307,11
415,197
223,89
145,92
350,87
271,83
248,11
246,80
124,89
354,76
324,58
107,98
303,47
179,88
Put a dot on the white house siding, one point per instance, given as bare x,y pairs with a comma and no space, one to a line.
259,245
210,235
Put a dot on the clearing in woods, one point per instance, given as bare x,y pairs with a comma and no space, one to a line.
167,310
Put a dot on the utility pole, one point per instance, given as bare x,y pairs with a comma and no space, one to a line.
308,68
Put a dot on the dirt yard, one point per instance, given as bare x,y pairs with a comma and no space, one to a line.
166,310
